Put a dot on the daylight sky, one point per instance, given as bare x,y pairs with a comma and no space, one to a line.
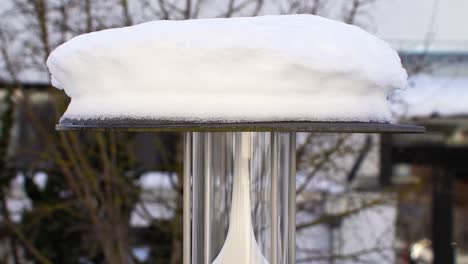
444,22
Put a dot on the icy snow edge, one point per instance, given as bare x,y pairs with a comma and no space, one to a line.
268,68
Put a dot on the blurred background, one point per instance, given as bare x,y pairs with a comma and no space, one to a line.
74,197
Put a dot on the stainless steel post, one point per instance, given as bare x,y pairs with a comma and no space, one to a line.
274,198
187,219
292,198
207,207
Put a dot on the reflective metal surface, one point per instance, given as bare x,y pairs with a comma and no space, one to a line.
241,197
280,126
187,188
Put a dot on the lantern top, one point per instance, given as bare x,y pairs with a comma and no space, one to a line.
244,70
291,126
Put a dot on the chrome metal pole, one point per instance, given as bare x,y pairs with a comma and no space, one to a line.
207,207
292,198
274,197
187,232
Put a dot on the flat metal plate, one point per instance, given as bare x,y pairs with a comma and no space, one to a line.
289,126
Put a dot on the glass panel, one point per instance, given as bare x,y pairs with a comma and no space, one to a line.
232,197
261,184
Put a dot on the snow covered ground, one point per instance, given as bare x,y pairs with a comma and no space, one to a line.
156,199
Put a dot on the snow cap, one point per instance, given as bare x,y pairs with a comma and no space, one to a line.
267,68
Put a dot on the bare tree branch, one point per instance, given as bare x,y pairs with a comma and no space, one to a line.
126,13
354,9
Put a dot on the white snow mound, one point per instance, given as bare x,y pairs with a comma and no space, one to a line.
268,68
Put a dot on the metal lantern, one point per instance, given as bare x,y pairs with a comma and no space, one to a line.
239,183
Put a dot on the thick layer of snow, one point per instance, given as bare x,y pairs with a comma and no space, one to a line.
433,95
296,67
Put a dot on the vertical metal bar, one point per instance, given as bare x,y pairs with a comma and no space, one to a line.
186,199
442,216
386,159
274,198
292,198
207,207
